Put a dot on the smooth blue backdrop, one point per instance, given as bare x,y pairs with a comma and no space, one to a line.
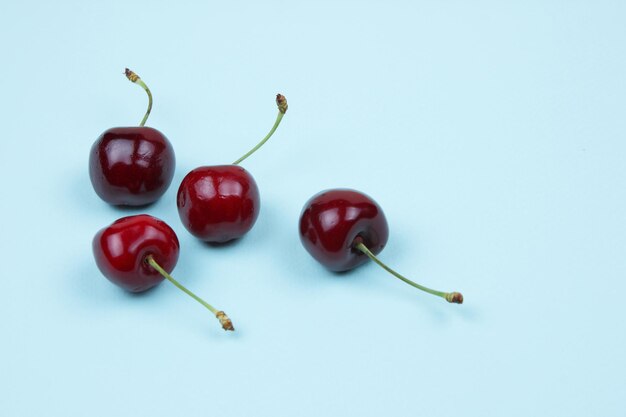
492,133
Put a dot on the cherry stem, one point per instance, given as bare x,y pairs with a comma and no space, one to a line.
221,316
451,297
281,102
135,79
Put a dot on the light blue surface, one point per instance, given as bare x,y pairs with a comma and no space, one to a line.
493,135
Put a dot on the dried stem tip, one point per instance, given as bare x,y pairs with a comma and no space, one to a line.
281,101
131,75
454,297
224,321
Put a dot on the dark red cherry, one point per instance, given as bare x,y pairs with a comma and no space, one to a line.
218,203
221,203
132,166
138,252
122,248
343,228
333,220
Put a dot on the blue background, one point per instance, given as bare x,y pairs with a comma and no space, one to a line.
492,134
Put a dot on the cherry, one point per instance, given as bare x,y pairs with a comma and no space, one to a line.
343,228
218,203
221,203
138,252
132,166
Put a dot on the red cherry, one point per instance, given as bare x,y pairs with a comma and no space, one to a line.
132,166
221,203
342,228
218,203
121,250
332,220
138,252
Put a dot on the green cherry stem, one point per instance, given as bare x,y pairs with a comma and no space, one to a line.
451,297
281,102
135,79
221,316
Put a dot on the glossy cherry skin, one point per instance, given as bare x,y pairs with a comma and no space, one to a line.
121,250
131,166
218,203
333,221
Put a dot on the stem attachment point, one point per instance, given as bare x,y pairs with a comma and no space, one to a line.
224,321
454,297
131,75
281,102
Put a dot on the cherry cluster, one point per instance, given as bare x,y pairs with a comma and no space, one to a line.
134,166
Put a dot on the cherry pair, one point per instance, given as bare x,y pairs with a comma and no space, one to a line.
134,166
